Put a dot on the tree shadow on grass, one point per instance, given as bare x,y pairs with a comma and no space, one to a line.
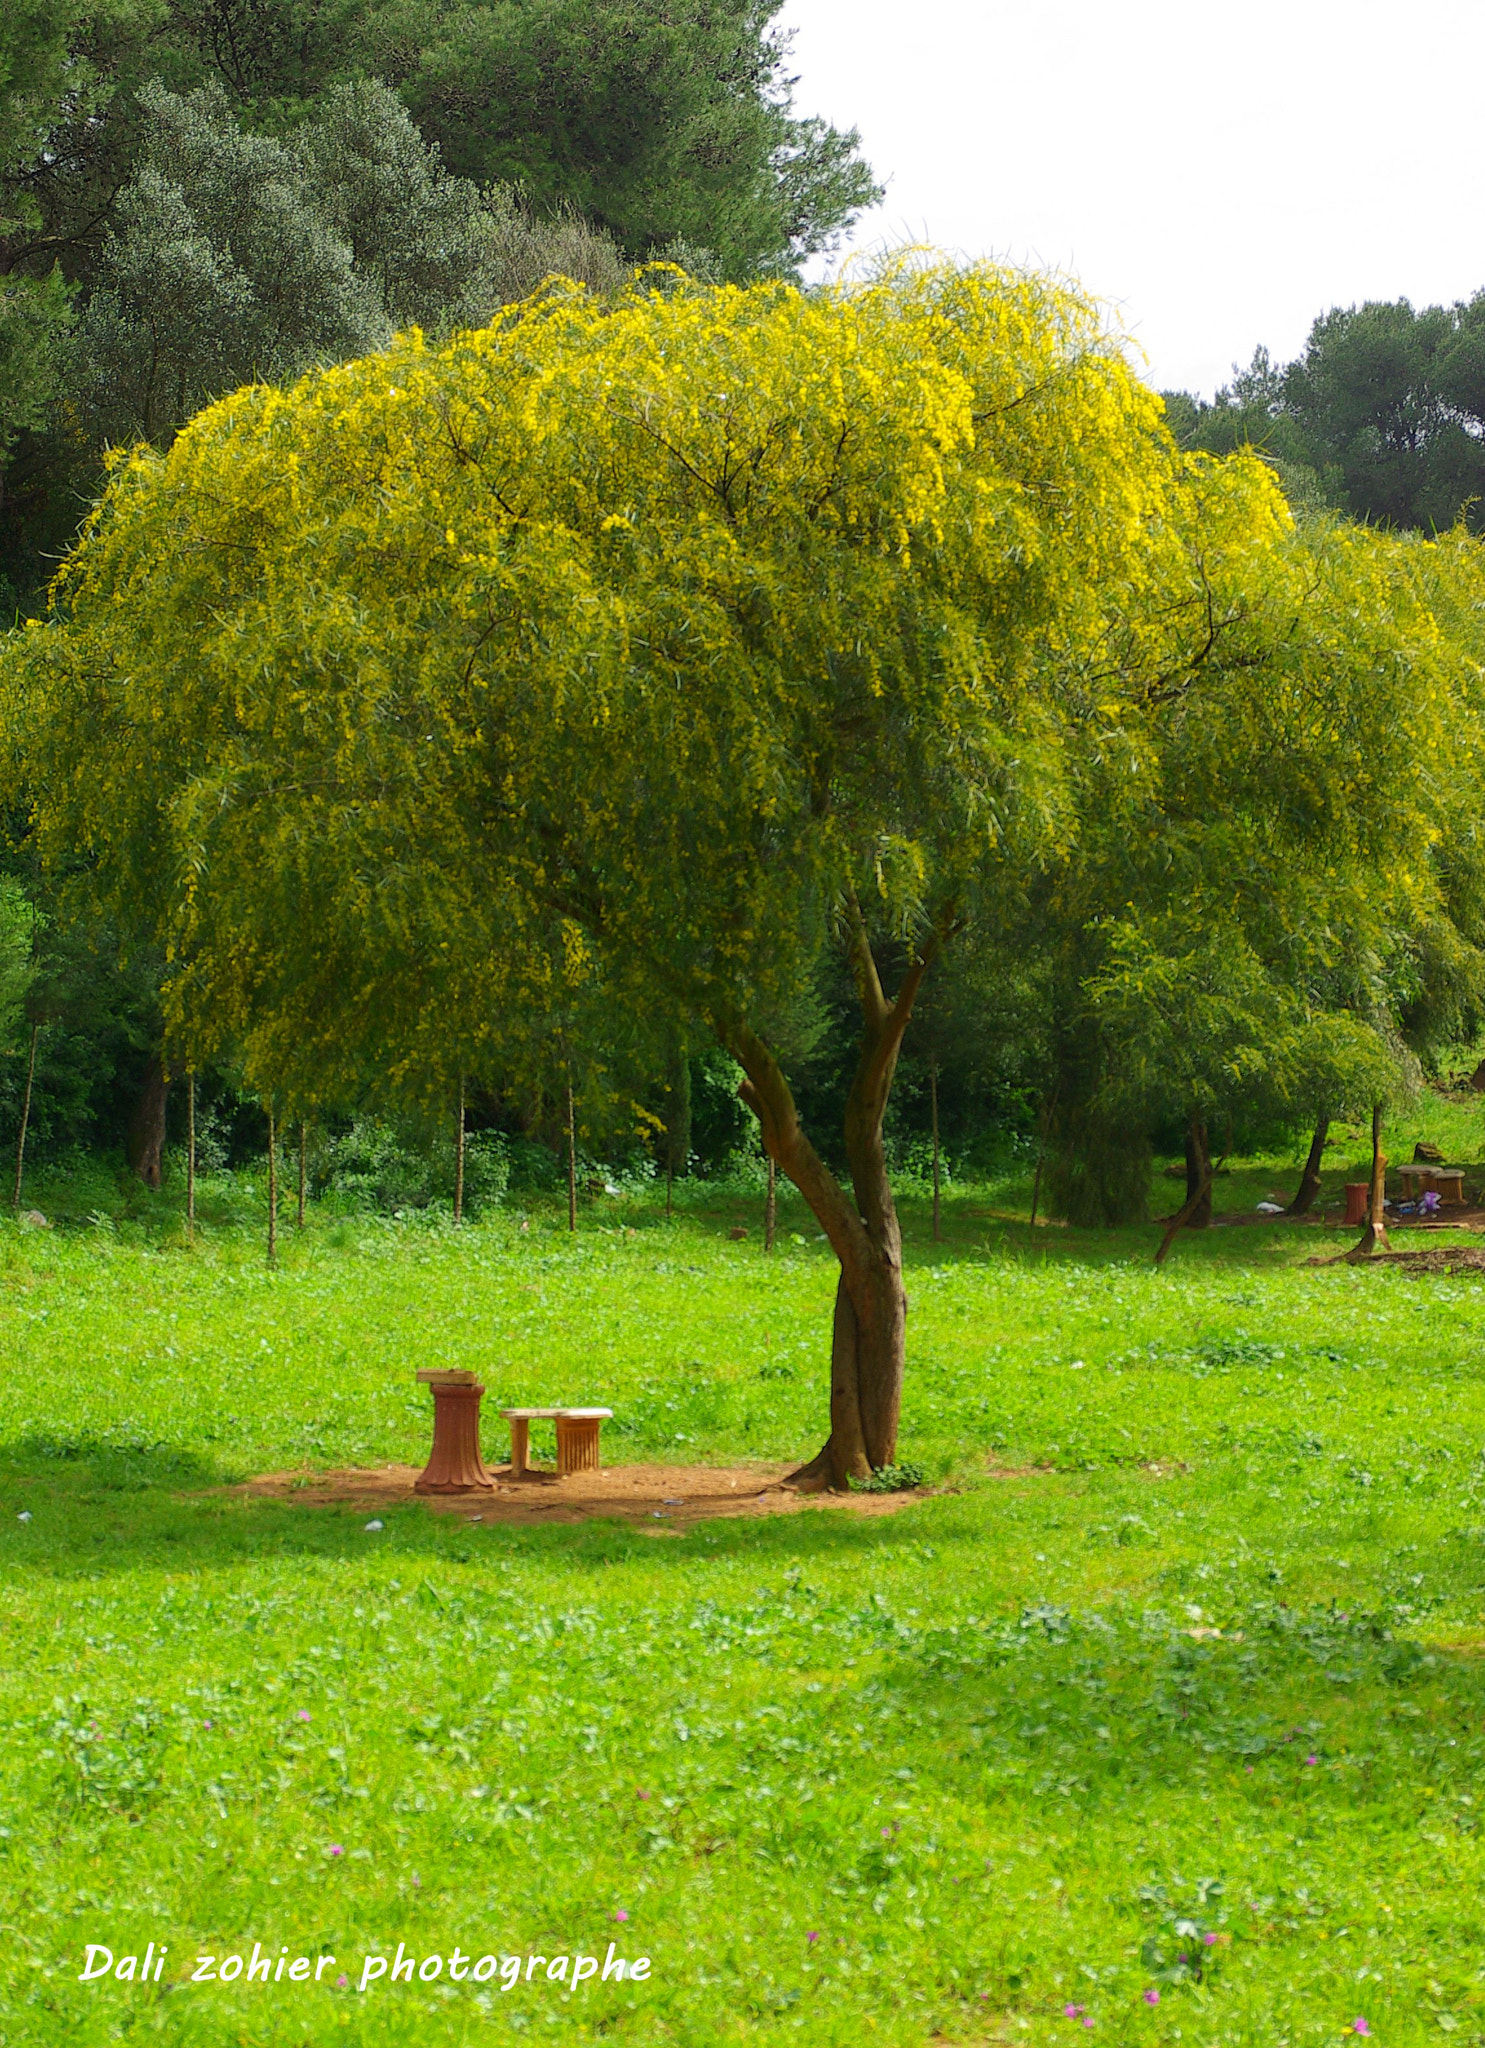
100,1503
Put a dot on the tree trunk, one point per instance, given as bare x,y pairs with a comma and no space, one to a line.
303,1173
571,1162
146,1140
770,1207
933,1101
1201,1193
1309,1180
1198,1176
459,1157
191,1155
1374,1237
272,1190
20,1143
868,1342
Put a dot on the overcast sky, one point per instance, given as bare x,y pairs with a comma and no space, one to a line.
1221,175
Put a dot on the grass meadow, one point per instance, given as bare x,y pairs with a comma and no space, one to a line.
1161,1719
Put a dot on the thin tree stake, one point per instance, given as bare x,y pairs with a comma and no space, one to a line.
770,1207
303,1171
571,1161
20,1143
272,1190
191,1157
933,1098
459,1157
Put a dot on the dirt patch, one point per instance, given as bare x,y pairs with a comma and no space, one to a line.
662,1497
1459,1258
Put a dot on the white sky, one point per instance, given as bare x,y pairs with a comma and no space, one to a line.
1222,175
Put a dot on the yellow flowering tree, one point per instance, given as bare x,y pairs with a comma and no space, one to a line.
630,659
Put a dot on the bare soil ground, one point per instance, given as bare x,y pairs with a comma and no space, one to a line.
1465,1258
666,1496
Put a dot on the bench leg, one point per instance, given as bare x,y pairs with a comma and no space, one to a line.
577,1444
520,1448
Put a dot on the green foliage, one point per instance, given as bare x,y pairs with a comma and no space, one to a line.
377,1166
19,933
667,122
1216,946
903,1478
244,194
238,258
35,316
1382,416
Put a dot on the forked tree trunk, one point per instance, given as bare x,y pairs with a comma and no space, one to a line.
1309,1180
1198,1176
868,1341
146,1140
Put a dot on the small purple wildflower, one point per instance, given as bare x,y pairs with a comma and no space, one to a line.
1152,1996
303,1714
812,1937
1312,1759
206,1724
1181,1956
341,1981
1073,2012
1209,1941
1360,2027
621,1914
336,1849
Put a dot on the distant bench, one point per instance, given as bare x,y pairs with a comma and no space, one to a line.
1447,1182
577,1437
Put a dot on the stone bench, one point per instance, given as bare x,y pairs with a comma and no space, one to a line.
577,1437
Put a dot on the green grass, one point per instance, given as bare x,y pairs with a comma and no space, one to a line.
1195,1645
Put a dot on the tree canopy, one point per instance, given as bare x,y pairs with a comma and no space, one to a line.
660,650
629,666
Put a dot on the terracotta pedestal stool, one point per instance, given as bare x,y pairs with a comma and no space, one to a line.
454,1464
577,1439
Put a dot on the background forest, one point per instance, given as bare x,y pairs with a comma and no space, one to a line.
196,196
